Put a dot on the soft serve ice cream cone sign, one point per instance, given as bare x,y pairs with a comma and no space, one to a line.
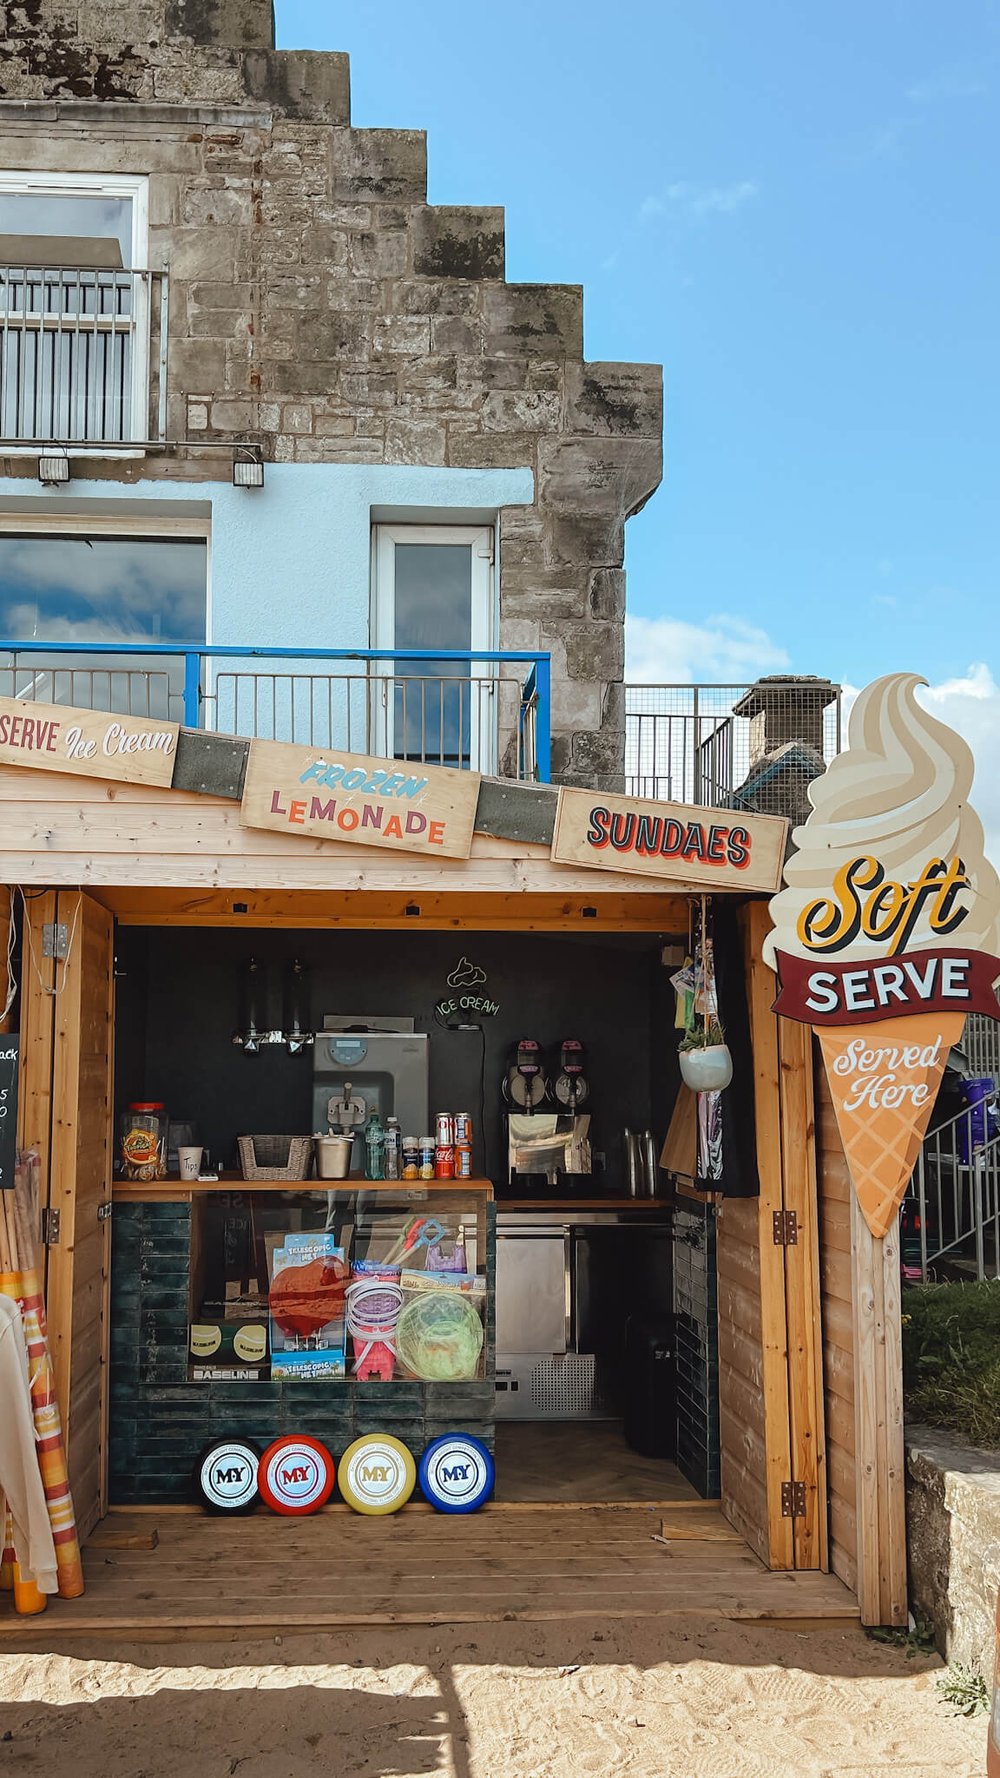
887,932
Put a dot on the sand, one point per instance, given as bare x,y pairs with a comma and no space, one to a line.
515,1700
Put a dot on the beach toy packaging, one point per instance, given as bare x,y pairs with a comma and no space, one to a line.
309,1278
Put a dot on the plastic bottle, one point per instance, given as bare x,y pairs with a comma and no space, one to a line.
374,1148
393,1149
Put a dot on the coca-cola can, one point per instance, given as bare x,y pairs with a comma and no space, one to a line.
444,1161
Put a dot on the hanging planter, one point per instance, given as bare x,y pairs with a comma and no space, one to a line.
705,1059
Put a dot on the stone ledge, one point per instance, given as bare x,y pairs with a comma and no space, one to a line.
953,1543
114,113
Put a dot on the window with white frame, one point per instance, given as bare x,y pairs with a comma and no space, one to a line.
434,589
74,308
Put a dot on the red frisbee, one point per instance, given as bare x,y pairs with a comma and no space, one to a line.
296,1475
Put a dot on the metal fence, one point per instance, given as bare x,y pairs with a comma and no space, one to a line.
701,743
955,1196
82,354
471,709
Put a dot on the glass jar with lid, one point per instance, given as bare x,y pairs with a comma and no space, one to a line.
142,1134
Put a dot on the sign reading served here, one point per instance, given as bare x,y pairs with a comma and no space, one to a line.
330,795
714,848
90,743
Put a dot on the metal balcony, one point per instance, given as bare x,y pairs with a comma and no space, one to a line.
481,710
82,355
712,744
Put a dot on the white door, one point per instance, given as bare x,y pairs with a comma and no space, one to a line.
434,588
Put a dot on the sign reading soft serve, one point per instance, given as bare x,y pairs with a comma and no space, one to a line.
714,847
91,743
887,932
331,795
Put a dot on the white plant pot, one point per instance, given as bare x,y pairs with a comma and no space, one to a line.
707,1070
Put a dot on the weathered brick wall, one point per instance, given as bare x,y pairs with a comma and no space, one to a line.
320,306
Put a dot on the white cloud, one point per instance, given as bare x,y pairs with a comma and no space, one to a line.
700,200
723,650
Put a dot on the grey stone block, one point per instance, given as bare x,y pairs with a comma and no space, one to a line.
211,765
513,811
953,1542
622,399
314,86
240,24
384,165
451,241
540,320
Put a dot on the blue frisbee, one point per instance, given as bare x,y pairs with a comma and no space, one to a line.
456,1473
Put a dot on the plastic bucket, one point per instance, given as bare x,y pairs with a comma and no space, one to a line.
973,1127
333,1156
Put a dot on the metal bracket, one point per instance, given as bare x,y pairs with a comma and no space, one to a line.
55,940
104,1211
785,1224
50,1228
793,1500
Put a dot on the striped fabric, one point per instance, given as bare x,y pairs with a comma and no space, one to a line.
24,1288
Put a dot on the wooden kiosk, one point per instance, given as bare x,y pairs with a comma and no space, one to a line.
808,1299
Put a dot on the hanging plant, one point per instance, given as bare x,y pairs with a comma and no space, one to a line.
705,1060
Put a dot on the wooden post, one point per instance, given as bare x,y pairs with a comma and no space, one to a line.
878,1423
802,1292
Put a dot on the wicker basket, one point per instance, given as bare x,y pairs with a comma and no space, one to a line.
275,1157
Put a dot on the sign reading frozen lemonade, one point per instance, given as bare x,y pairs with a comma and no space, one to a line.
329,795
711,848
89,743
887,931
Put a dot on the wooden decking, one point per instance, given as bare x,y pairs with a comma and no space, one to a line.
168,1574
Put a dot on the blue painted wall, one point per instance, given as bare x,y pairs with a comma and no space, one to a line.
290,562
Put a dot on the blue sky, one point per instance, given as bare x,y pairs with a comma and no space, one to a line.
794,209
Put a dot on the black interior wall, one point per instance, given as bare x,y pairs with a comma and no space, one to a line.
178,998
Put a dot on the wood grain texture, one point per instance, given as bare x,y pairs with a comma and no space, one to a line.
78,1269
286,790
835,1197
802,1292
503,1563
762,847
86,743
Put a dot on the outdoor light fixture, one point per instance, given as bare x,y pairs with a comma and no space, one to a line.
53,469
248,470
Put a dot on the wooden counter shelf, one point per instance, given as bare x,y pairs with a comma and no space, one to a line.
181,1191
569,1204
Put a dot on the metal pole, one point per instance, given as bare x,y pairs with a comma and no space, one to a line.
192,689
543,731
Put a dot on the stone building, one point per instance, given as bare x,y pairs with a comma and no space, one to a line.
305,307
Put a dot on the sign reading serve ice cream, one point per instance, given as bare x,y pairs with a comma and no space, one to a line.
91,743
331,795
887,932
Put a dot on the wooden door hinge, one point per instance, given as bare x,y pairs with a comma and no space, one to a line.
793,1500
786,1228
50,1228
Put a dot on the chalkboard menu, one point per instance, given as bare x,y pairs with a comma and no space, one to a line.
10,1045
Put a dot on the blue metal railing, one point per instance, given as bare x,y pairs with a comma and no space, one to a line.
460,707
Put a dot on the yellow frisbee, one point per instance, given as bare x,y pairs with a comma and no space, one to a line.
377,1474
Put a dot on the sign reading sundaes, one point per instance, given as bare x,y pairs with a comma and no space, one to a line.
886,934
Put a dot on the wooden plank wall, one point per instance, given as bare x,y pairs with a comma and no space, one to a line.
78,1272
835,1194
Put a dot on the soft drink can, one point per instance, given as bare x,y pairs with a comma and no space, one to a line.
463,1128
463,1161
444,1161
445,1123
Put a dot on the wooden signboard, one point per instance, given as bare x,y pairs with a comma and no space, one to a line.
10,1045
713,848
90,743
330,795
888,930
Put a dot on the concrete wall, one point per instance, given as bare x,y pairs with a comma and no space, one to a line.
321,307
953,1537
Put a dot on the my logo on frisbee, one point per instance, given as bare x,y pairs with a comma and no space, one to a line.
296,1475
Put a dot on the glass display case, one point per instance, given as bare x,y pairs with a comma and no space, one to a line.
373,1281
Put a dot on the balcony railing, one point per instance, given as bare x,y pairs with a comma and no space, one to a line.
692,744
484,710
82,355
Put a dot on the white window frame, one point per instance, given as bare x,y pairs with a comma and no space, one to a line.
104,185
484,628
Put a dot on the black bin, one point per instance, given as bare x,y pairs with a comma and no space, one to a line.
650,1420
